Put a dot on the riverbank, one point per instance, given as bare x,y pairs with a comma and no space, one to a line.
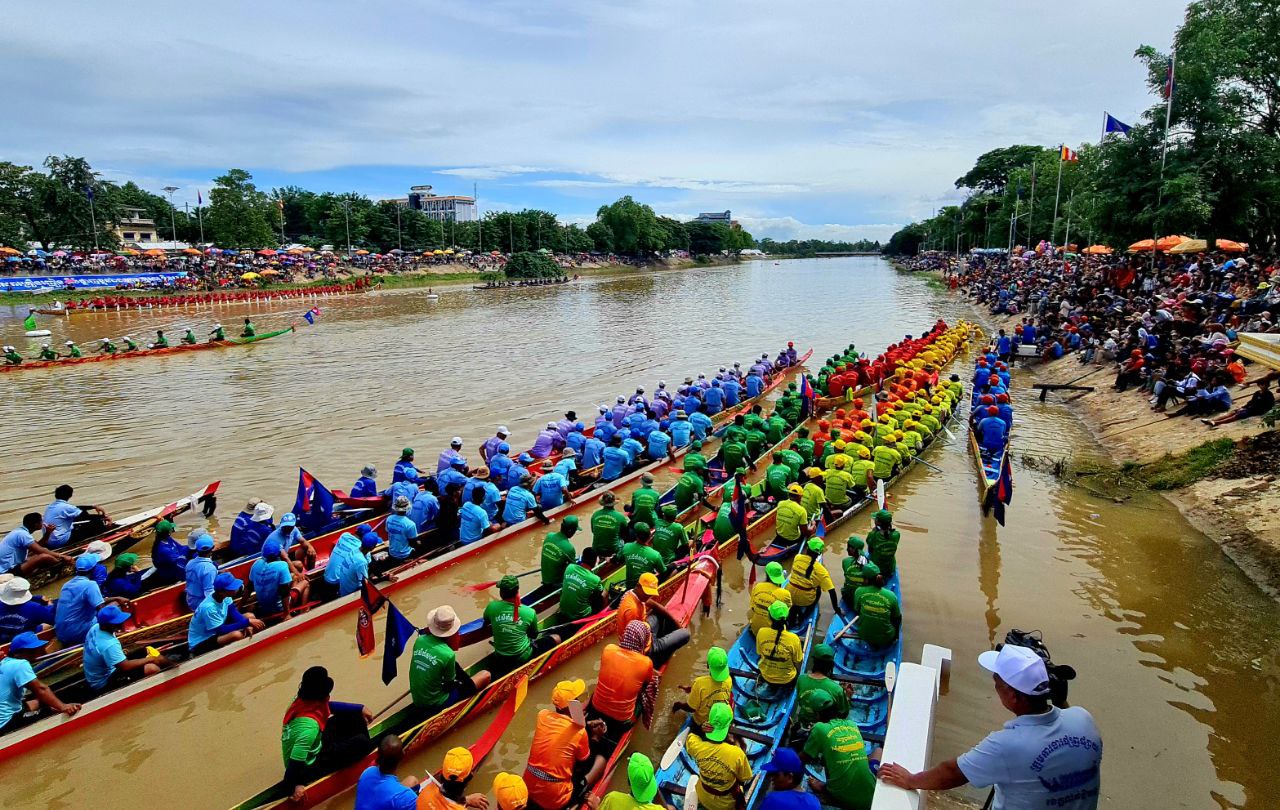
1224,481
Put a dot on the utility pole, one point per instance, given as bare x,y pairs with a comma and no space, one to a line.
346,215
1031,210
475,198
280,208
399,238
173,227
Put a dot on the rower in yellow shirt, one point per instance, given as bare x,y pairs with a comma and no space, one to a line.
809,577
791,518
887,460
912,437
764,594
814,496
838,483
714,687
863,469
840,454
779,650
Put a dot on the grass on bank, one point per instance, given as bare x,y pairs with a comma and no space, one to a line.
1184,469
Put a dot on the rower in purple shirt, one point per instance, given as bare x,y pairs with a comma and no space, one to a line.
604,417
620,413
660,408
662,393
549,441
447,457
491,444
565,426
638,397
703,382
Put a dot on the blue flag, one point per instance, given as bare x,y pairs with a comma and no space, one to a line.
1003,490
806,397
88,192
314,503
1115,125
309,317
399,631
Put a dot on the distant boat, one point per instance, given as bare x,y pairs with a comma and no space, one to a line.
777,263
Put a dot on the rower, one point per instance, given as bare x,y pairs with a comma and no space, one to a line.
20,553
777,477
879,614
690,489
320,735
627,682
73,350
17,674
251,527
791,520
66,523
694,460
168,556
491,444
217,334
292,543
515,629
189,338
106,667
378,788
992,432
518,470
402,532
754,383
722,765
567,425
130,345
592,451
277,587
836,743
436,681
815,497
425,508
608,527
450,456
248,330
552,488
567,466
500,465
680,429
659,444
456,474
449,792
217,622
105,347
47,353
640,556
124,580
582,591
644,502
631,446
700,423
670,537
882,543
779,650
161,342
642,788
886,461
558,552
707,690
406,470
78,603
521,503
479,481
855,573
548,443
560,749
366,486
818,682
348,566
20,612
838,484
764,594
786,783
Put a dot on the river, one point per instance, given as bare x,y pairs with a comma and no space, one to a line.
1176,650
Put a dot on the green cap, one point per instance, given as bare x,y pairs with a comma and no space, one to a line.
165,527
405,453
126,560
778,610
823,653
644,785
669,510
775,573
871,570
697,445
816,701
803,432
569,522
641,528
816,545
883,514
718,664
509,583
719,719
855,541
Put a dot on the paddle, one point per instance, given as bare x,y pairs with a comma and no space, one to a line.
691,793
890,676
846,629
927,464
484,586
390,705
880,492
673,751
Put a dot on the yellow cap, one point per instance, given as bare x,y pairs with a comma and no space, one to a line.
837,462
649,584
567,691
510,791
813,472
897,435
795,489
841,444
457,764
863,452
867,423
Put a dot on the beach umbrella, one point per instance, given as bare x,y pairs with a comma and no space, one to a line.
1097,250
37,252
230,252
270,272
8,251
1231,246
191,251
130,252
396,251
296,252
13,259
249,276
1189,246
362,252
1165,243
439,252
495,253
60,253
1144,245
153,252
449,251
266,252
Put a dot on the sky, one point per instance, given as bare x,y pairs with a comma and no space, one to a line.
818,119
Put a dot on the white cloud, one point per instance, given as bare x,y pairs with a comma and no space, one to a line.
782,229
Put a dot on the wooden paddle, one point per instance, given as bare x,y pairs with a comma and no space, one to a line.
673,751
390,705
484,586
691,793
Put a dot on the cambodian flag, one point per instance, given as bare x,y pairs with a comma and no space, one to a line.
314,504
738,511
371,600
399,631
806,396
1003,488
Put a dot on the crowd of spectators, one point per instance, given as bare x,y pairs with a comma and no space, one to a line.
1168,323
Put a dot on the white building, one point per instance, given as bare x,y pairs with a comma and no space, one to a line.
451,208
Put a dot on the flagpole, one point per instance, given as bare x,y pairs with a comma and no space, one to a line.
1067,239
200,219
93,218
1164,153
1103,137
1031,206
1053,235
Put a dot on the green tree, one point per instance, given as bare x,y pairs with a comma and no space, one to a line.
708,238
601,236
992,169
239,214
530,264
633,225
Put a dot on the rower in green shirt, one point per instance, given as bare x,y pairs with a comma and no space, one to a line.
161,342
107,347
671,538
644,502
558,552
753,420
733,455
689,490
882,543
217,334
607,524
776,478
878,611
47,353
837,744
514,627
722,529
12,357
582,592
803,445
189,338
73,350
129,344
819,681
776,428
756,442
793,460
855,570
695,461
435,679
641,557
248,330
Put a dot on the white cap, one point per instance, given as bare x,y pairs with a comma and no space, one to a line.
621,399
551,426
722,369
456,441
1019,667
662,383
503,430
69,343
639,389
217,326
100,547
262,512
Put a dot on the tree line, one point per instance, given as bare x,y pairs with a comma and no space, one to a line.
1220,176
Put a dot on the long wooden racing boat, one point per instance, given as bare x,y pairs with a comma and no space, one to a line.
988,465
176,349
417,734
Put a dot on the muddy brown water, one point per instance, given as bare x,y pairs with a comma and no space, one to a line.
1176,649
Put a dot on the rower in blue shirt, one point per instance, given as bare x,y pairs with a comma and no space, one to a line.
633,448
406,470
576,438
701,424
168,557
348,564
552,488
592,452
401,489
453,475
992,432
647,425
520,502
366,486
200,572
660,445
78,603
615,461
713,399
251,527
606,432
500,464
567,465
424,509
755,384
732,391
217,622
518,470
681,431
402,532
473,520
692,402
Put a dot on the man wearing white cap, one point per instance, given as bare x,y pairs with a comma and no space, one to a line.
454,451
491,444
549,441
251,528
1045,757
20,612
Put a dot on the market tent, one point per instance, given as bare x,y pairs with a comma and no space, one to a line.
1231,246
153,252
1144,245
1164,243
270,272
1098,250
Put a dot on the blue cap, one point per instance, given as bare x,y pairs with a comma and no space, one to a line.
271,548
26,641
288,519
785,760
86,561
363,529
113,615
226,581
369,540
504,448
579,426
525,458
458,462
204,543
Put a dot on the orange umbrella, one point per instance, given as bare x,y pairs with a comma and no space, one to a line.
191,251
362,253
153,252
1098,250
1231,246
1166,242
1144,245
8,251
